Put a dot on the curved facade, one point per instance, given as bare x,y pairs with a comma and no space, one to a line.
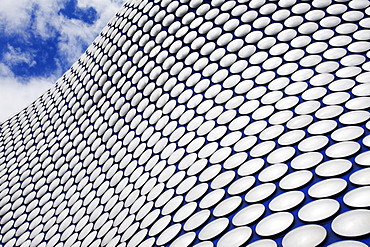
200,123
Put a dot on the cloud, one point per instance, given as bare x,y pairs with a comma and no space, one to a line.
74,32
44,22
15,94
43,19
16,55
15,16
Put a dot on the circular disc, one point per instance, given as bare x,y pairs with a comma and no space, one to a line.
274,224
318,210
307,235
213,229
235,237
352,223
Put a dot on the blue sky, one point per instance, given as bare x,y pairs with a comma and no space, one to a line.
40,40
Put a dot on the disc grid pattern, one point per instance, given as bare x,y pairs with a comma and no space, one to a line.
200,123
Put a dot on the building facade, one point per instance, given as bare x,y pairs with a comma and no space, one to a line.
200,123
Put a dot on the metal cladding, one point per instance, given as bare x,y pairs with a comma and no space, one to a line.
200,123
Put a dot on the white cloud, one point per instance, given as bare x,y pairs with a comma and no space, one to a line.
26,19
15,95
15,16
75,32
16,56
43,19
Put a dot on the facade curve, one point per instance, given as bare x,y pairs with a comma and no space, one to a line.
200,123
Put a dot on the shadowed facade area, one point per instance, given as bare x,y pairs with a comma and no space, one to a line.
200,123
